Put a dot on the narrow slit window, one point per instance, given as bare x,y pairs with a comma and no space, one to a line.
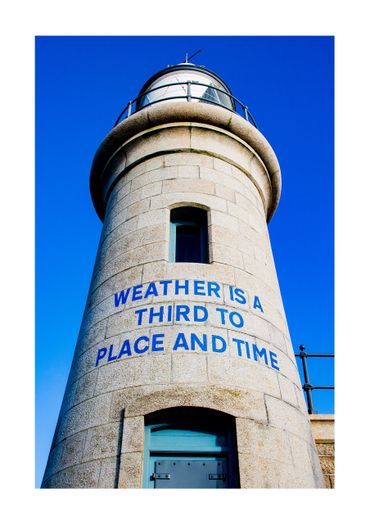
189,235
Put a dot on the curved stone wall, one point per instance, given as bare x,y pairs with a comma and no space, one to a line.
159,334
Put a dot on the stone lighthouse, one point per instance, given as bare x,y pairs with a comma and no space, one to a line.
184,374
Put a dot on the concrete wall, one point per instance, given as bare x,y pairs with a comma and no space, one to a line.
146,174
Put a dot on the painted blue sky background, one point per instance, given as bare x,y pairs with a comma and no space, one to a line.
82,83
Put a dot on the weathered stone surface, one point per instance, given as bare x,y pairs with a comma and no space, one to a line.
150,190
147,399
154,271
145,236
72,450
101,442
133,258
108,472
327,461
80,476
265,473
327,464
53,464
246,200
322,427
241,373
89,337
122,322
162,139
154,175
171,199
327,481
262,440
189,368
188,159
222,219
123,188
287,388
133,434
231,256
317,470
225,192
126,278
147,369
110,234
304,467
287,417
130,471
92,412
323,431
326,449
214,272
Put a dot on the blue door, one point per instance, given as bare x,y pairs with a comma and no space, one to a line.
191,473
189,453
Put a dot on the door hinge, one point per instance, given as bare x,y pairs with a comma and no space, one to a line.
160,476
216,476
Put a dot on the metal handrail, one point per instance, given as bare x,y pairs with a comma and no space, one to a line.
128,110
307,386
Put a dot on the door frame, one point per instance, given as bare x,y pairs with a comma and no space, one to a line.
203,422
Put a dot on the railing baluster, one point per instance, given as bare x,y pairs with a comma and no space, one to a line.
188,96
307,386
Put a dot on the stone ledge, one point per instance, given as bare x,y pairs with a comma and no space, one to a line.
175,112
322,427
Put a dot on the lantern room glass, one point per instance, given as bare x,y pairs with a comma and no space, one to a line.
203,88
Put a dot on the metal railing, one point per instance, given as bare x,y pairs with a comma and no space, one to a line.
134,106
307,386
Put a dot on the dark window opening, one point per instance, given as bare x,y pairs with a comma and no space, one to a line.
189,235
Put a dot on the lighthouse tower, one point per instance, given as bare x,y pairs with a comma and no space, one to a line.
184,374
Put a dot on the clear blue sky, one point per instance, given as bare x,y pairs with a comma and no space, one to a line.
82,83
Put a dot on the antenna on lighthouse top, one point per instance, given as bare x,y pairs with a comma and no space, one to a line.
187,57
